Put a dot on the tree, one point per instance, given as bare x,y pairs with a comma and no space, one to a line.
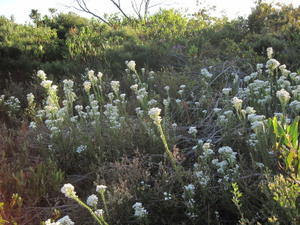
140,8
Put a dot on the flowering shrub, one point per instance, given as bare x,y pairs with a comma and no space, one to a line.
193,143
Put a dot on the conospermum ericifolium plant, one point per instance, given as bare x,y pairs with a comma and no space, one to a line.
214,134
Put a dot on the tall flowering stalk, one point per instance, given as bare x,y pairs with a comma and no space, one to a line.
101,190
131,66
154,114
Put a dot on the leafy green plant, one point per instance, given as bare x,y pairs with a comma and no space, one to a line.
287,145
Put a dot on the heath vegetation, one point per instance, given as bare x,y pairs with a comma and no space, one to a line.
164,119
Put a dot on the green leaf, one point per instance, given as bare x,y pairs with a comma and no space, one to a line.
293,132
289,159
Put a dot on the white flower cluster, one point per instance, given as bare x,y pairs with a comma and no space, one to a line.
141,94
81,148
167,196
63,221
152,102
131,65
91,75
87,86
188,197
12,103
272,64
283,96
112,113
226,165
237,103
226,91
101,188
68,90
192,130
270,52
139,112
30,98
69,191
202,177
206,74
115,85
295,106
99,212
139,210
92,200
154,114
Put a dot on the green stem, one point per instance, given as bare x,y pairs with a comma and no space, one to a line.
104,202
99,220
169,153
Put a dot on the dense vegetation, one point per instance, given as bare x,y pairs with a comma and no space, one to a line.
172,119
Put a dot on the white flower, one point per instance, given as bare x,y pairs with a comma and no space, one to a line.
79,108
257,125
141,94
192,130
131,65
122,96
180,92
30,98
100,75
217,110
189,188
206,146
295,105
272,64
237,103
134,87
154,114
167,196
115,85
42,75
174,125
259,66
87,86
166,102
99,212
68,84
46,83
167,88
110,96
139,111
250,110
182,86
48,222
151,73
92,77
270,52
205,73
247,79
101,188
139,210
65,221
92,200
81,148
32,125
226,91
68,191
260,165
152,102
283,96
177,101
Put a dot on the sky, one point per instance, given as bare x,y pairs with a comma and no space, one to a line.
231,8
